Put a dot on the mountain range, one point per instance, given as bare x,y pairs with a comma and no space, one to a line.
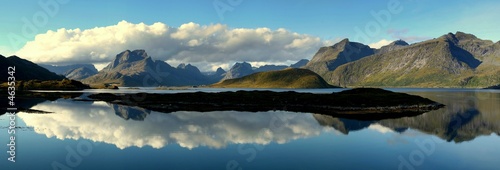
75,72
452,60
136,68
244,69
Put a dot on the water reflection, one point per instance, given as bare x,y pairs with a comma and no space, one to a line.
128,112
138,127
467,116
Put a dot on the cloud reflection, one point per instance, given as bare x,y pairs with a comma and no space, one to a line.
99,122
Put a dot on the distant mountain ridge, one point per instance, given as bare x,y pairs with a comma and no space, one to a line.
80,73
63,69
452,60
244,69
136,68
75,71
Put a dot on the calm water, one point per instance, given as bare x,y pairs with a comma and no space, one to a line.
98,135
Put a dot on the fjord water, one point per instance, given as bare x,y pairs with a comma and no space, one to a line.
98,135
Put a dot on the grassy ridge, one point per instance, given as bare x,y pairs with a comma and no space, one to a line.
288,78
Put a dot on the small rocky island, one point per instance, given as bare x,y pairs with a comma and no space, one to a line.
363,103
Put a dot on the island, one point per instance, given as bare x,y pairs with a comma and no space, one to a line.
362,103
291,78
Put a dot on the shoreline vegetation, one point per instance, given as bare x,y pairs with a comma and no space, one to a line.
365,103
65,84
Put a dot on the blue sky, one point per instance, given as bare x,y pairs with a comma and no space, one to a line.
327,19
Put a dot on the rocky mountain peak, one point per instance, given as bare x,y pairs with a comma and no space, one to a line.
239,70
220,71
458,36
450,37
398,44
128,56
188,67
131,56
300,63
464,36
342,44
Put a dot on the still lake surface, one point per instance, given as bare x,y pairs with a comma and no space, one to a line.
99,135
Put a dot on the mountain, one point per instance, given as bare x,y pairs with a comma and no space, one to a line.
136,68
216,76
128,112
452,60
80,73
190,71
61,70
329,58
75,71
239,70
26,70
392,46
300,63
244,69
269,68
288,78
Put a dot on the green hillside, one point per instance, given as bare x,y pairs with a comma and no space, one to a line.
452,60
288,78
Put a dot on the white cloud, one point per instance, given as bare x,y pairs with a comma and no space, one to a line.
381,43
381,129
100,66
189,43
98,122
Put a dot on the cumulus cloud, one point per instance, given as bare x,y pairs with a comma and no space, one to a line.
215,44
97,122
381,43
381,129
5,51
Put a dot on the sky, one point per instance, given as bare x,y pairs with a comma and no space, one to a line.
217,33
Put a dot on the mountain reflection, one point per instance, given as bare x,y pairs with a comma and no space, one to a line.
128,112
95,121
467,116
